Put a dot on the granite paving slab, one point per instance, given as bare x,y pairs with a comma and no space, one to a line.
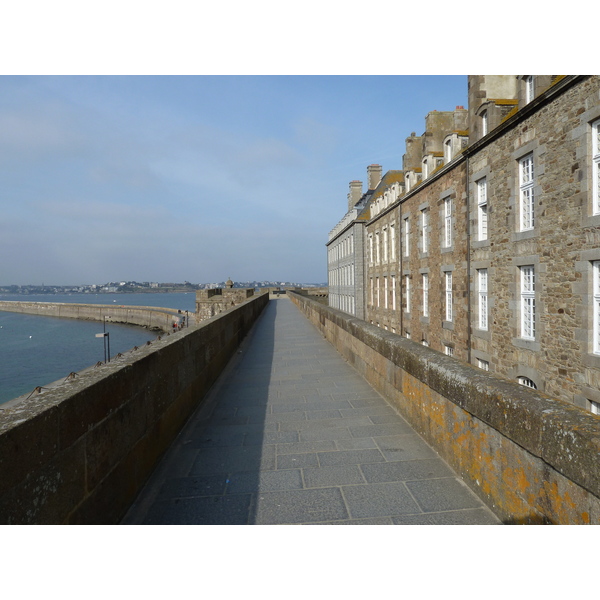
292,434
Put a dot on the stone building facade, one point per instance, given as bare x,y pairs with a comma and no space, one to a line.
495,256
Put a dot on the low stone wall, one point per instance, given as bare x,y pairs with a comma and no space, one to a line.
530,457
79,453
160,319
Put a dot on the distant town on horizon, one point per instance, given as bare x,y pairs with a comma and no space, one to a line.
129,287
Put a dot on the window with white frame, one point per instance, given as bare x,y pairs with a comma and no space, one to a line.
377,248
393,292
527,382
528,302
447,222
372,291
449,350
594,407
448,151
482,277
448,278
424,170
596,303
425,283
371,248
424,232
378,297
406,236
392,241
385,245
596,166
526,195
482,210
484,123
385,291
529,91
483,364
407,292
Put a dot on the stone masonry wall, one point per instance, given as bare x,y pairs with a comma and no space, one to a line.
79,453
530,457
561,247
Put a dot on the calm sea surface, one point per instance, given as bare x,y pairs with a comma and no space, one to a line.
35,351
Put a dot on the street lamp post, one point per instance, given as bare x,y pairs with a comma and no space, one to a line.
106,336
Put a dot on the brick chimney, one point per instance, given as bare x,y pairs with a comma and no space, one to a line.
374,175
355,193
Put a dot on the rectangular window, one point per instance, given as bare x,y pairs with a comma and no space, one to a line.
596,303
482,276
407,291
448,276
393,242
447,222
594,407
448,151
372,292
529,93
406,237
482,210
385,245
393,292
483,364
425,279
377,286
385,291
449,350
527,201
424,233
596,166
377,249
528,302
371,248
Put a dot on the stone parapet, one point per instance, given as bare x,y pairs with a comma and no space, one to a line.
79,453
530,457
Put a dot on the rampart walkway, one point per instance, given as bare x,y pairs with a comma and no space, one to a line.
290,433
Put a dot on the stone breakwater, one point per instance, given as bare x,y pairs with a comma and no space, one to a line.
153,318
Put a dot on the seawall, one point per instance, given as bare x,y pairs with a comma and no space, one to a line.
79,453
159,319
529,457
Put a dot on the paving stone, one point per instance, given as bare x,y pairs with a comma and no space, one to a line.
408,446
297,461
330,476
474,516
182,487
380,430
271,437
265,481
355,443
379,500
301,506
405,470
434,495
306,446
349,457
226,460
206,510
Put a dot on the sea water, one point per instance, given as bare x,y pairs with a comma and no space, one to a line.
37,350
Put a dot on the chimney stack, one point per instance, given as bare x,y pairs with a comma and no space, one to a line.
374,175
355,193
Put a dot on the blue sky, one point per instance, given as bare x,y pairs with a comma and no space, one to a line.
197,178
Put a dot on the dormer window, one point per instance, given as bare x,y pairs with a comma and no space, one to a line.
529,90
484,123
448,151
425,174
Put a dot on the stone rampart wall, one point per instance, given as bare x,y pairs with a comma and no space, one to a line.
79,453
161,319
530,457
